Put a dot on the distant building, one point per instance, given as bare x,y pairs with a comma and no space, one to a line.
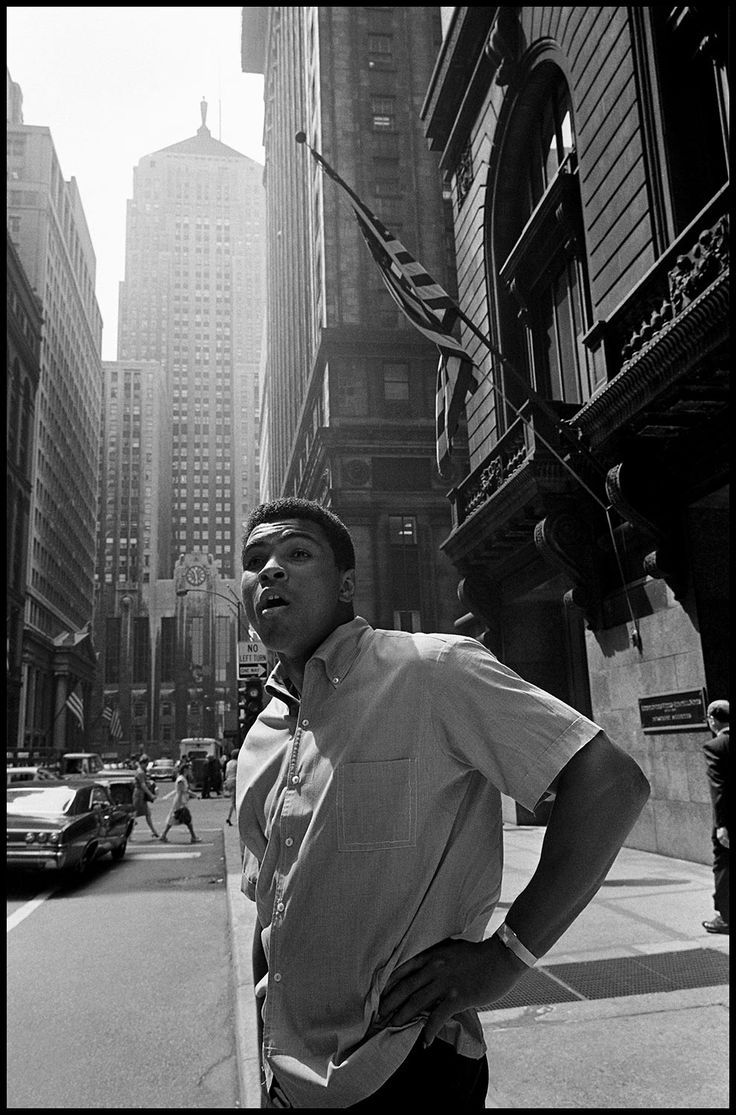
47,224
349,391
181,455
587,151
23,337
134,541
193,299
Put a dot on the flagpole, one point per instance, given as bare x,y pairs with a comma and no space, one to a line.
576,445
565,433
439,331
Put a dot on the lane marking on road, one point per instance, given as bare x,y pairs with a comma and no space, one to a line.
163,855
27,908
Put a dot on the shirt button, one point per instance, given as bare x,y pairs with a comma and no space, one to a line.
295,780
277,977
280,907
305,723
336,680
289,841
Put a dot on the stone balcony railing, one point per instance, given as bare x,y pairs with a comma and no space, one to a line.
510,453
694,262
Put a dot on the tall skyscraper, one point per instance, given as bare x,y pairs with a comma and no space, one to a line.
24,318
180,454
48,228
350,385
192,299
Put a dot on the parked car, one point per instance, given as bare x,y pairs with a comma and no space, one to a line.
60,825
162,769
29,774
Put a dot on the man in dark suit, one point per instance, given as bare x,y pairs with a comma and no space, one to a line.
716,754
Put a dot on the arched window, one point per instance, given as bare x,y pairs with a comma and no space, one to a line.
537,250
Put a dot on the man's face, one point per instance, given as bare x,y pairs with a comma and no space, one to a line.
293,592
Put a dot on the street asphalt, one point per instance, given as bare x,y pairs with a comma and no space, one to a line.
628,1010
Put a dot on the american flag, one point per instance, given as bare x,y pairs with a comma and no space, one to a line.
426,305
106,713
116,728
75,704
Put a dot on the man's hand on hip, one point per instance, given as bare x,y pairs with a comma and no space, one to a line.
446,979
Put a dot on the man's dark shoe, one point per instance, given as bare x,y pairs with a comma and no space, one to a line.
717,925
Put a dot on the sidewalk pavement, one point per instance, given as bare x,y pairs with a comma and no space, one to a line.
628,1010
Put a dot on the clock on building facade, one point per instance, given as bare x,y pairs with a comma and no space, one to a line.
196,575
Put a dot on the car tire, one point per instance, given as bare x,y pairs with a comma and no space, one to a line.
88,857
118,853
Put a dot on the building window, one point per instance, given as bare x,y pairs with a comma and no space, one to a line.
690,75
396,383
383,114
352,390
405,581
540,247
380,44
380,51
402,530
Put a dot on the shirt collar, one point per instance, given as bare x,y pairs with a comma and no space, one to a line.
337,654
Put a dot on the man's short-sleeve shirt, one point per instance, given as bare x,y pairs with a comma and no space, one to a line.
370,811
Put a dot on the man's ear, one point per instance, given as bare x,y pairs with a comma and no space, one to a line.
347,588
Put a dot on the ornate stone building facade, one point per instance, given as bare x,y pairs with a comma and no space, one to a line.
586,149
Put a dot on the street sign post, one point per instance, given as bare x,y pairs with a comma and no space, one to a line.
252,660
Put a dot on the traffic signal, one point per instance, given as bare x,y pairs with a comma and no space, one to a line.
250,703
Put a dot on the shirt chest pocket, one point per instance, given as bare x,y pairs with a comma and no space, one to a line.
376,805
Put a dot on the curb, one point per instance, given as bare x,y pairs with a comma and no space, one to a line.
241,920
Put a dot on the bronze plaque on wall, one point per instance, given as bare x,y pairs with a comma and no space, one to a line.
671,712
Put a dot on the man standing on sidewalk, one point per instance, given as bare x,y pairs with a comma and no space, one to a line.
716,754
369,806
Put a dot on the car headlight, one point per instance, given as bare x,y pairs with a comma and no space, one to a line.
54,838
30,837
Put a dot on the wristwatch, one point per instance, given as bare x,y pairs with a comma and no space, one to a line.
507,937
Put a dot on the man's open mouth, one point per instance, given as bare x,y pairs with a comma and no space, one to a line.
271,602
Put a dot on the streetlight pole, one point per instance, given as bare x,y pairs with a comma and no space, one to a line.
236,604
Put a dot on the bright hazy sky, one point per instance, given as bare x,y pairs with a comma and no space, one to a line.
115,84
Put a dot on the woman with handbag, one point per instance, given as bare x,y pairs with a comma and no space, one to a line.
143,794
180,814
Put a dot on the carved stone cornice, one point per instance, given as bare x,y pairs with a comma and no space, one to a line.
683,317
642,493
567,541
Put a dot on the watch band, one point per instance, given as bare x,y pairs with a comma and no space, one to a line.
507,937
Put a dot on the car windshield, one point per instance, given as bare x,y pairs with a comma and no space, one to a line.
48,800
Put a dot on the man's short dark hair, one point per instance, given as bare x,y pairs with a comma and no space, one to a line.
294,507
